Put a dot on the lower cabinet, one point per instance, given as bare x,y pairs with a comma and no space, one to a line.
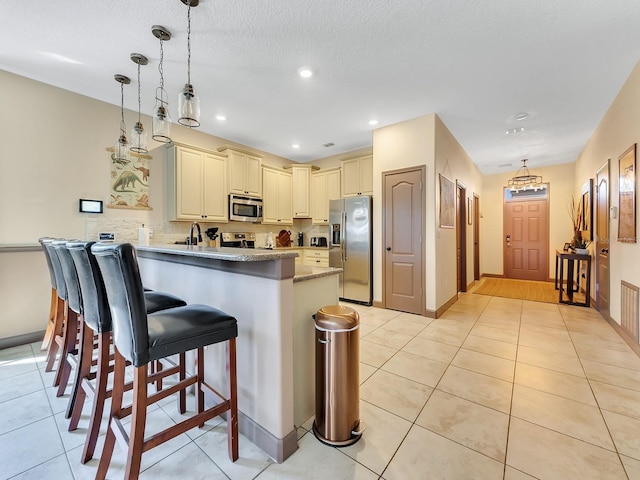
316,257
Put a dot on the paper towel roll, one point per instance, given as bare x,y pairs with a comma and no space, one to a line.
143,236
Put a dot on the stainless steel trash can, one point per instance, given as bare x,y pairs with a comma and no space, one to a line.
337,420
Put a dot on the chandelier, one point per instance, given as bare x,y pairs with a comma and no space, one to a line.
138,134
523,180
188,101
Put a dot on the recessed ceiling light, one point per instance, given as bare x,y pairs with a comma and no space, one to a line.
295,145
305,72
373,122
222,118
521,116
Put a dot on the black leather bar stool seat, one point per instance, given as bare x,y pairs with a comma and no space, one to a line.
141,338
85,275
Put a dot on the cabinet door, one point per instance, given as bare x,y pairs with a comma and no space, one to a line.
253,179
285,198
237,165
270,198
301,204
188,184
214,184
366,175
333,187
350,177
319,201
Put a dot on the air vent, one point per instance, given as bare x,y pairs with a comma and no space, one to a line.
328,144
504,165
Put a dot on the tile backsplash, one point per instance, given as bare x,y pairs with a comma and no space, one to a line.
126,230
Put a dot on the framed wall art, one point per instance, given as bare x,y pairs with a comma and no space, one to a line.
129,182
627,196
587,210
447,203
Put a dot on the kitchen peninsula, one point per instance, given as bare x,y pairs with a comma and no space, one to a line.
273,300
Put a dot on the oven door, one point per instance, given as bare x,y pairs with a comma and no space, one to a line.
243,209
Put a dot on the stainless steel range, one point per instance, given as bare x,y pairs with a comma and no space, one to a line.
238,239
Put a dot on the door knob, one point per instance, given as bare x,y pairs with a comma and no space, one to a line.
388,249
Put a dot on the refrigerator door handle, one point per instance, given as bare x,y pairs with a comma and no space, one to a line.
344,236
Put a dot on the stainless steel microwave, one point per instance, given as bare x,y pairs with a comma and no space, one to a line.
245,209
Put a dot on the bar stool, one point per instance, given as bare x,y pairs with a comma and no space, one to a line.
61,308
140,339
48,334
97,321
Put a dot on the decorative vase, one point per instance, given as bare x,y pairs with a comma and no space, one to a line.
582,251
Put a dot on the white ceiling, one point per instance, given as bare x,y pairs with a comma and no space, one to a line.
476,63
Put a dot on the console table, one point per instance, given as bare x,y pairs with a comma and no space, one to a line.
573,276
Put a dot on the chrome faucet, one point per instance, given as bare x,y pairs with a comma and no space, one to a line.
190,238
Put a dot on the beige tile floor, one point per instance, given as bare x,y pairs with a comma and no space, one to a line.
495,389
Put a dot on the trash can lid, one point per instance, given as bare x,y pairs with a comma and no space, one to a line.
337,317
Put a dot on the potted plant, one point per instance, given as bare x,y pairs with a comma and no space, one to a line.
578,243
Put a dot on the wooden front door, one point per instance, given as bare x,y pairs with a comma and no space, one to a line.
602,240
403,227
526,239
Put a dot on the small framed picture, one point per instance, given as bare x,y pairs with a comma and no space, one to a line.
89,206
566,247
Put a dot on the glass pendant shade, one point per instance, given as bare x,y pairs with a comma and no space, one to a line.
121,150
138,139
189,107
161,124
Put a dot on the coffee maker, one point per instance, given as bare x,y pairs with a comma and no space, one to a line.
300,239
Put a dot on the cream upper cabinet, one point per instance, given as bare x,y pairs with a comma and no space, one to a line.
301,186
245,172
196,184
325,186
277,196
357,176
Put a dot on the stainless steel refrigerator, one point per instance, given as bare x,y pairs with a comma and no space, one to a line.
350,243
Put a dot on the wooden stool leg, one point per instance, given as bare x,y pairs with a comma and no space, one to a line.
57,332
93,430
83,369
182,374
116,408
48,334
200,375
138,421
232,414
68,346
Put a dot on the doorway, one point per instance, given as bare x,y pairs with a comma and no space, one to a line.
461,236
403,228
602,240
476,237
526,234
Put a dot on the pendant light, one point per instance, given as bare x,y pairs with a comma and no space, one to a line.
161,128
121,148
523,181
138,135
188,101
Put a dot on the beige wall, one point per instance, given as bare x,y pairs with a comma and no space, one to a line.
618,130
453,162
561,179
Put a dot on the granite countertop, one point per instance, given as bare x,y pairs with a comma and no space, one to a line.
219,253
308,272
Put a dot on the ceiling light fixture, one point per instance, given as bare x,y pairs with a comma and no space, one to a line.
161,128
521,116
513,131
373,122
188,101
222,118
295,145
138,135
305,72
523,180
120,153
